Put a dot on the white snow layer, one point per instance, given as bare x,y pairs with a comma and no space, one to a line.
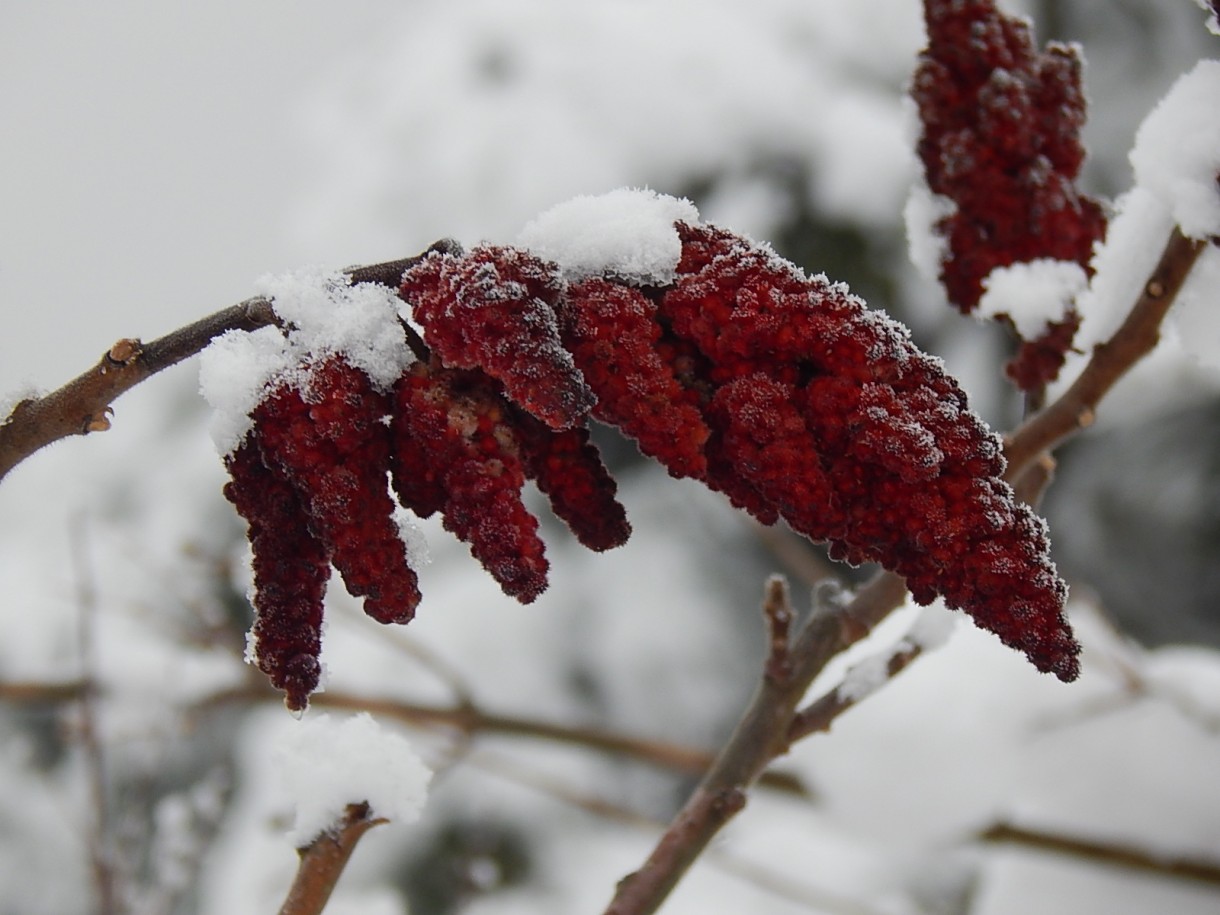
926,246
1213,21
1032,293
326,765
1176,160
1195,318
930,630
329,315
627,234
1177,151
325,315
1135,238
234,372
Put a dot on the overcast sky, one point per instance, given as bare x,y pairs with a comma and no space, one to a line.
151,157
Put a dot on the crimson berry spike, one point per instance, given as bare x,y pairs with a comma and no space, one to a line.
1001,141
826,413
613,334
493,308
568,468
1037,362
325,432
761,440
456,452
291,567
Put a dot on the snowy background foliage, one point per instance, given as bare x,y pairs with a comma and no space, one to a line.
159,160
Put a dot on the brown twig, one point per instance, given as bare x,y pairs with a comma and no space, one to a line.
102,861
323,861
84,405
821,713
1112,853
761,736
1139,334
469,719
464,717
762,876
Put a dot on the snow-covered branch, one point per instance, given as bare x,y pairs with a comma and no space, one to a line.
84,404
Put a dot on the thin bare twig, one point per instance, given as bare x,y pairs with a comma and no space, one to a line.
1139,334
821,713
101,859
1118,855
763,877
464,717
761,736
323,861
469,719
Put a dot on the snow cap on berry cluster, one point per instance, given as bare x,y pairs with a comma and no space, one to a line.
1000,140
626,235
1176,155
322,313
1176,162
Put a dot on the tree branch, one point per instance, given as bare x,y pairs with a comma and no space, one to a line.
83,405
464,717
1125,856
762,734
820,714
323,861
1139,334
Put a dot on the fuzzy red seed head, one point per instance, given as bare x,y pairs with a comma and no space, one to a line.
326,434
1001,140
493,308
826,414
614,336
456,452
291,567
567,467
780,390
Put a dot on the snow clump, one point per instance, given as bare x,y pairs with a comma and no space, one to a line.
627,234
325,765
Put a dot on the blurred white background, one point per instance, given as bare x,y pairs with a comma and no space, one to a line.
158,158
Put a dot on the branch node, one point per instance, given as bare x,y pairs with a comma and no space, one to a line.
97,422
125,351
777,609
728,803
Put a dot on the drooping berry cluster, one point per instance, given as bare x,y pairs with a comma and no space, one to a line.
789,396
291,567
1001,125
313,477
783,392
